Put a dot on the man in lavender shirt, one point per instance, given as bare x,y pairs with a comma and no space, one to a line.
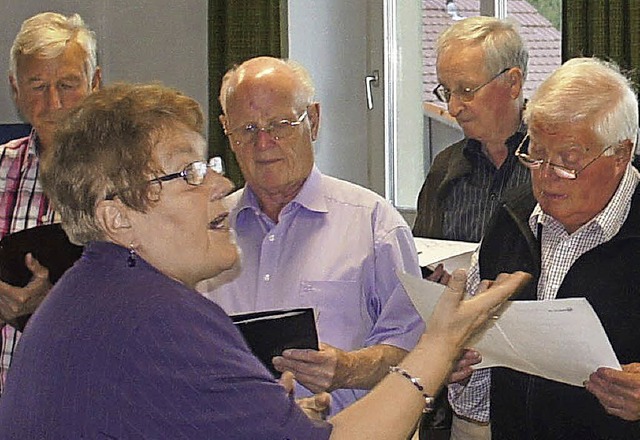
309,240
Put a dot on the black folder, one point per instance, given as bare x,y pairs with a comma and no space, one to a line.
48,244
271,332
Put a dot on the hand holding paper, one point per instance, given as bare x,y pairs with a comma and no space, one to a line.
561,340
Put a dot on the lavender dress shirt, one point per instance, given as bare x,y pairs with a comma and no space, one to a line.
336,247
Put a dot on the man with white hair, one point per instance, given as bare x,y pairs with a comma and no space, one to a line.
53,66
310,240
576,229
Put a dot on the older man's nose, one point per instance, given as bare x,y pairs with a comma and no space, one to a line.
54,100
454,105
264,139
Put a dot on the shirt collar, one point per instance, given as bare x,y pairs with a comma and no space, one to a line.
32,149
610,219
473,146
310,196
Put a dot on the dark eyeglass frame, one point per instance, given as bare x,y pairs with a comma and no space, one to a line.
251,130
466,94
560,170
195,172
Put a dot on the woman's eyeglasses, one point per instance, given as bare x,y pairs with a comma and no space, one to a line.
194,173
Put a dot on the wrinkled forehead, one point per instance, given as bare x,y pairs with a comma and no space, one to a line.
563,134
177,140
269,92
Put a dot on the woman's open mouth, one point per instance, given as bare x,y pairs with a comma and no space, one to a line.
219,221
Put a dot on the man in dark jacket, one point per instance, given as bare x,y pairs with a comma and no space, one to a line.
481,65
576,229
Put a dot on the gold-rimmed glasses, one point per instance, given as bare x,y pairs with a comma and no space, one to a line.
281,129
561,171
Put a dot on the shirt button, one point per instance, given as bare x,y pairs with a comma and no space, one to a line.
272,237
267,277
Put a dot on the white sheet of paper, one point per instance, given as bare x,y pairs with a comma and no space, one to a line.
561,340
453,254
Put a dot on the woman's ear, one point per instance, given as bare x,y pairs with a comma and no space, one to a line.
113,218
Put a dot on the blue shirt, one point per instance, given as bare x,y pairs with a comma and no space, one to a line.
336,247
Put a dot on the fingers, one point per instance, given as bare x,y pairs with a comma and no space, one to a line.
316,370
317,406
302,355
19,301
287,381
457,284
499,291
439,275
38,270
617,391
462,370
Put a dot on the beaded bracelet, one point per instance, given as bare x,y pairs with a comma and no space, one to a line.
429,402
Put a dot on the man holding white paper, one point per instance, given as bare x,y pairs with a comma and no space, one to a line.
575,230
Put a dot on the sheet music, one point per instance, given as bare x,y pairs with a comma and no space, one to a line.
453,254
561,340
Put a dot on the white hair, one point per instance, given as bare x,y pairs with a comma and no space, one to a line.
234,76
47,34
590,90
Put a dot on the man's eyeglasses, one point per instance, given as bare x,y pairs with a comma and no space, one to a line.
560,170
466,94
282,129
194,173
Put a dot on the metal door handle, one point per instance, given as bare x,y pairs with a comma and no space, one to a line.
371,80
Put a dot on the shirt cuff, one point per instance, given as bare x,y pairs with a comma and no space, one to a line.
471,401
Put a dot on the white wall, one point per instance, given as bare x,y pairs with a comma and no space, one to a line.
138,40
329,38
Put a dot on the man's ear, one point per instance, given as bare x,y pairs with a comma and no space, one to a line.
624,152
14,88
516,81
225,126
313,112
223,121
96,81
113,218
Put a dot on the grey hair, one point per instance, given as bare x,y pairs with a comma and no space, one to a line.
47,34
591,90
502,43
234,76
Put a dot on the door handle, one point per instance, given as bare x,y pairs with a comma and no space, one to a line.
371,81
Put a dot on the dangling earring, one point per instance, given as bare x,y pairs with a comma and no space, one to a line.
131,260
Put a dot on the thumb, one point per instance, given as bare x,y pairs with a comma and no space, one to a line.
38,270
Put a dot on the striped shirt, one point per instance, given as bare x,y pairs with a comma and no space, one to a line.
474,198
559,250
22,205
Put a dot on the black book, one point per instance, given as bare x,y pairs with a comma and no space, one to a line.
48,244
271,332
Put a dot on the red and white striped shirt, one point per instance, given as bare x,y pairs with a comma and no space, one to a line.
23,205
